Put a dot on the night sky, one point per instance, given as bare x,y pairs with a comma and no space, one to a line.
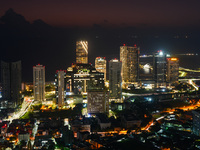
105,24
108,12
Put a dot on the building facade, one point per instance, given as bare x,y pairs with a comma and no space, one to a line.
82,52
159,69
98,101
172,70
115,79
129,56
11,81
60,87
39,82
100,65
83,77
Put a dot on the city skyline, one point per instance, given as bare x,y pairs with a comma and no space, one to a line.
60,43
114,74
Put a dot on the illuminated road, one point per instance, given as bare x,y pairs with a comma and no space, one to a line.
193,84
189,70
25,106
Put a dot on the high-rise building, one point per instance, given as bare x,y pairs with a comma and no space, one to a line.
39,82
83,77
129,56
100,65
82,52
159,69
60,87
115,79
11,81
172,70
98,101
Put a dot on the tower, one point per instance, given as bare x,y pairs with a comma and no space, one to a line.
115,80
11,81
82,52
159,69
172,70
39,82
100,65
60,87
129,56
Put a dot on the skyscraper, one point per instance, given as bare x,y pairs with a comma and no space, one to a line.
115,80
82,52
39,82
159,69
100,65
11,81
60,87
172,70
129,56
83,77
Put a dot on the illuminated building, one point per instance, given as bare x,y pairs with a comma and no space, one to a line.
129,56
83,77
39,82
60,87
159,69
82,52
98,101
115,79
100,65
172,70
11,81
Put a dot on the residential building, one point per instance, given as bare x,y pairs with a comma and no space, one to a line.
39,82
82,52
129,56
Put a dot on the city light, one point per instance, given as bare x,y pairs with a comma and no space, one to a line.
161,53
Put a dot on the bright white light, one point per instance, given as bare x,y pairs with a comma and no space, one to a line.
146,66
161,53
69,93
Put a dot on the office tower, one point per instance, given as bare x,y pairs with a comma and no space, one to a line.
82,52
98,101
172,70
83,77
115,80
60,87
39,82
100,65
159,69
11,81
129,56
